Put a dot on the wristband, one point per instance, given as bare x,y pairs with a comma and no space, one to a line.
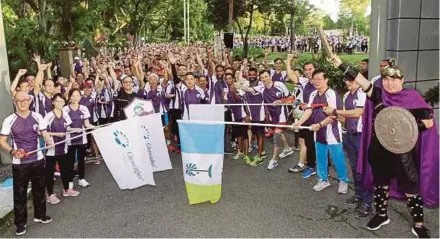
335,113
369,88
421,126
10,152
350,73
320,125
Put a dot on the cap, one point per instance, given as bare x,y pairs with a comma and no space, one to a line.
88,84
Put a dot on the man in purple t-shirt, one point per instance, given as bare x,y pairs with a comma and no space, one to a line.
354,102
305,136
25,127
328,132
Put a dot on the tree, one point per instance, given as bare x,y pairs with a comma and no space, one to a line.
329,24
355,9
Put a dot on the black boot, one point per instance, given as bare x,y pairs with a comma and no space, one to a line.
415,207
380,203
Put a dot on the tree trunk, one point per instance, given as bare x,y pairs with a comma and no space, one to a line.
42,17
292,30
245,42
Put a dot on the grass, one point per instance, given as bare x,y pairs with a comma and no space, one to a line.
344,57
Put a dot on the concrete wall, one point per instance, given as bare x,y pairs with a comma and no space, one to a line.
5,98
413,39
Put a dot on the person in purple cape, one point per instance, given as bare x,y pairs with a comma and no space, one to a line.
414,174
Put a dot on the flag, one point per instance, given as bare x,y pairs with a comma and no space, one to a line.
138,107
154,141
202,147
122,147
206,112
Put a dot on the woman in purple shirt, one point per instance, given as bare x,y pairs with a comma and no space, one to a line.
79,114
58,126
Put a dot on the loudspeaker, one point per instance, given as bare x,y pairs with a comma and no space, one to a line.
228,39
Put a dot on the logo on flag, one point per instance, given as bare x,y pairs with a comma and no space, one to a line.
121,139
138,108
191,170
146,136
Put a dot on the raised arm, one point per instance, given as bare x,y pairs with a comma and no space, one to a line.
352,73
13,87
291,76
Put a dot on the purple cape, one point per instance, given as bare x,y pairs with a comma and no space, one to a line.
427,148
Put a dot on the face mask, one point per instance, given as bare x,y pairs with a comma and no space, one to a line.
252,79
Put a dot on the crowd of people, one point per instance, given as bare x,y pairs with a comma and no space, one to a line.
310,43
52,109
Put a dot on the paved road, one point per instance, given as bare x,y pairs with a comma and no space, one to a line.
255,203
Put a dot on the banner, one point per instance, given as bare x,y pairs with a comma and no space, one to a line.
202,160
122,147
154,141
207,112
138,107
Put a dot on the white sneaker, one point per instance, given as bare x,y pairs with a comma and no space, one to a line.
343,187
286,152
83,183
272,164
321,185
238,156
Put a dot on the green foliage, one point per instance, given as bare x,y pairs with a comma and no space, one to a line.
432,96
254,52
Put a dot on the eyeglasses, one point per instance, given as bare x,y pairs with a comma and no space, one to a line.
21,101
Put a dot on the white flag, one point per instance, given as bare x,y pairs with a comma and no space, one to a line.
206,112
154,141
121,145
138,107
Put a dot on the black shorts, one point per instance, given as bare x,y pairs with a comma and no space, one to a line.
305,133
240,130
257,130
386,165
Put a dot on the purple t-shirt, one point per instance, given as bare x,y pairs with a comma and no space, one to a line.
89,102
307,89
278,91
78,118
256,111
57,125
25,134
278,76
332,133
44,104
238,112
156,98
351,102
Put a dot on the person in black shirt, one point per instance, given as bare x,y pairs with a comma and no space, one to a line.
125,96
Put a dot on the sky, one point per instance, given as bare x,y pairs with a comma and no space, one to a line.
331,7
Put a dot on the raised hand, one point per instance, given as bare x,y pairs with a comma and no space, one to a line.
171,58
22,71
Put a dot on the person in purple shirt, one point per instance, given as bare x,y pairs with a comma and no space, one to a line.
328,132
156,94
58,124
235,96
354,102
257,115
45,97
191,94
80,115
24,127
273,92
306,140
